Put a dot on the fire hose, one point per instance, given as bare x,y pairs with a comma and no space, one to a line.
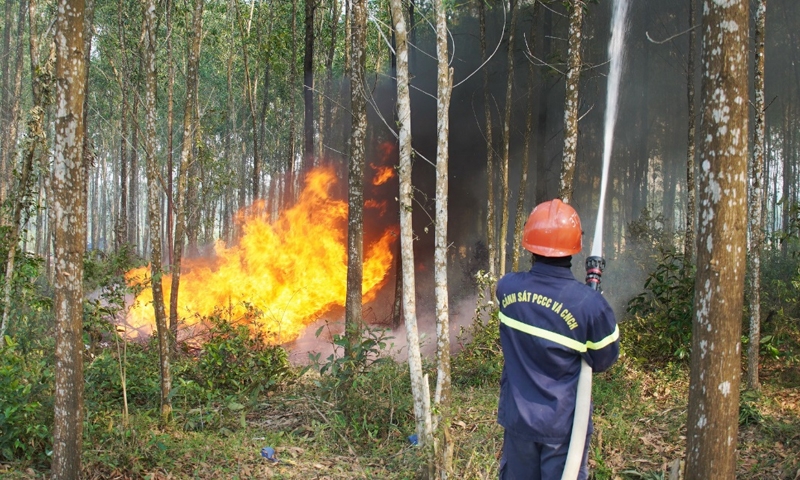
583,397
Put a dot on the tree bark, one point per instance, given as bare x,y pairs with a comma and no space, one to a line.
712,423
504,191
133,177
691,195
189,127
491,244
290,178
256,177
355,223
326,119
69,216
442,395
308,84
756,200
36,136
170,137
122,78
153,205
519,217
569,156
419,382
11,107
5,100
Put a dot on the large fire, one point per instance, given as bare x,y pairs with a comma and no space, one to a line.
282,276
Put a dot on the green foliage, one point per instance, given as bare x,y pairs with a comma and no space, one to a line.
31,299
26,410
661,323
101,270
780,306
749,412
480,361
371,392
236,360
104,384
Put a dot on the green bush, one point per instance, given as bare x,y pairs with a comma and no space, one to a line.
660,327
371,393
104,383
480,359
234,360
26,410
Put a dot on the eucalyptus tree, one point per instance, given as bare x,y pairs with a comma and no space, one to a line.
504,191
355,197
490,157
308,83
756,200
69,223
519,216
10,94
154,203
443,392
419,382
20,201
190,126
570,151
691,195
713,420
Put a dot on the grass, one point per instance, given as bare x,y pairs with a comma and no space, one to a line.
640,413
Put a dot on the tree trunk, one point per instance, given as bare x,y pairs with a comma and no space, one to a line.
133,178
571,102
5,100
491,244
712,422
308,85
504,191
355,223
69,215
122,78
153,204
170,137
11,107
691,199
36,136
256,177
326,118
756,200
444,444
289,196
419,382
519,217
189,127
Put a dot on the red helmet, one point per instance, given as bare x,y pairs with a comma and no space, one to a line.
553,229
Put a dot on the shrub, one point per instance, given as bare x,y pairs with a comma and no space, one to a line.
371,392
661,323
236,360
480,361
26,387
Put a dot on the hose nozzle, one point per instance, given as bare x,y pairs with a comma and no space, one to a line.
594,270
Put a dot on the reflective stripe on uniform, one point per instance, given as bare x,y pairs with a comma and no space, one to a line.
558,338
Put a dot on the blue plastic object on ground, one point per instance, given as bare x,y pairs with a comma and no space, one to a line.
269,454
413,439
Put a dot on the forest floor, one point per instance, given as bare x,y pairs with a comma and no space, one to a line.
640,416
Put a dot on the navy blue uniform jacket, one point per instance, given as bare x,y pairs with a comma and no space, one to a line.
548,321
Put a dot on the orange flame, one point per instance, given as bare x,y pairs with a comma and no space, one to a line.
382,174
282,276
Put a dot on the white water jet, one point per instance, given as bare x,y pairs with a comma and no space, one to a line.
616,46
616,55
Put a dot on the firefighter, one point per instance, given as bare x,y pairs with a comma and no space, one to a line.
548,322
